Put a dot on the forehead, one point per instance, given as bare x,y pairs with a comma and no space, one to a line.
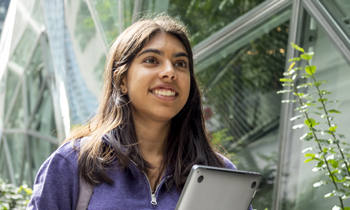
165,40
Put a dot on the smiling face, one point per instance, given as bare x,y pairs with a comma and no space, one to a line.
158,80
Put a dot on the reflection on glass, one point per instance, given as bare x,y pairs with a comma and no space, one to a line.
24,47
85,26
37,13
40,150
34,78
298,191
203,17
17,153
11,83
114,16
4,173
98,71
16,117
242,109
43,120
340,12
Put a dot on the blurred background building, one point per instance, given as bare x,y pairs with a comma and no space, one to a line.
52,55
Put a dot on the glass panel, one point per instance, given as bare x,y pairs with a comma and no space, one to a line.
202,17
34,78
98,71
11,84
114,16
44,119
298,191
17,152
4,173
241,105
85,27
27,4
37,13
24,47
40,150
20,24
16,119
340,12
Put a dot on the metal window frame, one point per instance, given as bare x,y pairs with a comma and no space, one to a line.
319,14
239,27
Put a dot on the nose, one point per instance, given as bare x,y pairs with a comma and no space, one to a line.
168,71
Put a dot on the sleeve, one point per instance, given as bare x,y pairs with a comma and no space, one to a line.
56,185
227,162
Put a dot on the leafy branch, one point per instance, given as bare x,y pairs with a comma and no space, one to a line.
328,158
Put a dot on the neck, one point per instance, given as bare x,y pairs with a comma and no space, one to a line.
152,138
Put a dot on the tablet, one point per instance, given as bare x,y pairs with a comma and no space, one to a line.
209,188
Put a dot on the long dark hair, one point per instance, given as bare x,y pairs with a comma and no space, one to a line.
188,142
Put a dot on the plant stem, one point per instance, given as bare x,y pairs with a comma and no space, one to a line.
319,145
328,121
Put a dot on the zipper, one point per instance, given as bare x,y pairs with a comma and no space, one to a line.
153,195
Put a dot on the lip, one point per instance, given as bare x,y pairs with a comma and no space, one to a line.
166,87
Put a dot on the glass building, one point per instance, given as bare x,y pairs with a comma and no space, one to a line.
52,55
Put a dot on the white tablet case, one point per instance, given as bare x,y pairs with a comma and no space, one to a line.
220,189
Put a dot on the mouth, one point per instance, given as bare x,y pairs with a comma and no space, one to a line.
164,92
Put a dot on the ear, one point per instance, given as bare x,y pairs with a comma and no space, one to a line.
123,85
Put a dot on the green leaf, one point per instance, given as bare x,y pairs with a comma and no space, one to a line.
341,136
307,149
294,59
339,192
324,142
287,84
286,80
299,94
300,108
324,92
307,56
328,195
334,163
296,117
308,160
334,111
310,69
307,136
284,91
287,101
305,76
310,155
298,126
335,207
297,47
333,128
322,99
304,85
320,164
310,122
320,183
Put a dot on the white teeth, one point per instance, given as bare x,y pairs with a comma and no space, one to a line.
164,92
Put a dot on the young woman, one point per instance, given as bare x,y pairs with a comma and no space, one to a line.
147,134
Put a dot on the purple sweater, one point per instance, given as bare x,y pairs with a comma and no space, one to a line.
57,187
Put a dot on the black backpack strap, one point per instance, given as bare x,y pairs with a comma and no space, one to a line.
85,189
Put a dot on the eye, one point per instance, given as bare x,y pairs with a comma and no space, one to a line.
150,61
182,64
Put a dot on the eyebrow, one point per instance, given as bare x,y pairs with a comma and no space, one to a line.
180,54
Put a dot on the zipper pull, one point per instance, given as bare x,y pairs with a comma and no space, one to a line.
154,200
